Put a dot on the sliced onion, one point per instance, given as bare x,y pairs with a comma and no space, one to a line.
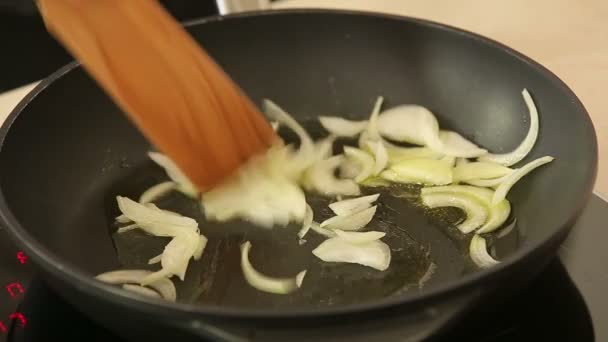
183,183
497,214
479,253
324,147
353,222
144,291
451,161
476,212
376,182
275,125
363,159
359,237
155,260
375,254
127,228
505,186
526,145
372,125
265,283
398,154
349,168
487,183
157,191
155,222
306,223
461,161
175,258
164,286
419,171
411,124
316,227
122,219
380,156
320,178
342,127
456,145
353,205
198,253
479,170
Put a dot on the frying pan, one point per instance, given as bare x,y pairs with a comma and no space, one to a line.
67,150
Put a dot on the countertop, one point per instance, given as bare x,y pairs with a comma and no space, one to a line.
570,37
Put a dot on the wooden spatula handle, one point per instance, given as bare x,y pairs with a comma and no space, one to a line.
174,92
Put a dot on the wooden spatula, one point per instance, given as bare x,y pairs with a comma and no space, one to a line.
169,86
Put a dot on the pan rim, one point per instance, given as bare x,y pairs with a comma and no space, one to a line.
86,283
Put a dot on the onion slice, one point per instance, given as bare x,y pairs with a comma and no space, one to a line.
372,125
316,227
398,154
526,145
455,145
342,127
359,237
306,223
380,156
351,206
411,124
352,222
155,221
476,212
505,186
175,258
365,160
164,286
479,253
479,170
324,147
497,214
183,183
265,283
487,183
419,171
320,178
157,191
375,254
198,253
144,291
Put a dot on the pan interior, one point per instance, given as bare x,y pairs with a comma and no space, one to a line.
70,151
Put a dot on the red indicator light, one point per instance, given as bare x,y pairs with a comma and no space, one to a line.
21,257
14,289
3,328
20,317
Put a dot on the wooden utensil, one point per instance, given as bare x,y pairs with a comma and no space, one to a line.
169,86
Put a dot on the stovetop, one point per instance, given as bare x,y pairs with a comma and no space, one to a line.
564,303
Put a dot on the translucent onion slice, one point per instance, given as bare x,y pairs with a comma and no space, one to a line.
265,283
320,178
154,221
419,171
352,222
526,145
411,124
127,228
376,182
306,223
365,161
144,291
342,127
372,126
359,237
375,254
505,186
479,170
479,253
398,154
164,286
476,212
349,168
316,227
353,205
155,260
157,191
497,214
451,161
175,258
198,253
461,161
183,183
380,156
487,183
456,145
324,147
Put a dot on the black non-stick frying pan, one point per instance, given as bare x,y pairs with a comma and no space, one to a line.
67,151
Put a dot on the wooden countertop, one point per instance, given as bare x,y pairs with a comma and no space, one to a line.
570,37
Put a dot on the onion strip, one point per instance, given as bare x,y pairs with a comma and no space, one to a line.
359,237
375,254
164,286
455,145
342,127
320,178
479,253
505,186
479,170
476,212
353,205
526,145
157,191
265,283
144,291
306,223
364,159
419,171
183,183
352,222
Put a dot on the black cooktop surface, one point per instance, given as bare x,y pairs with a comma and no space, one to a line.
565,303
